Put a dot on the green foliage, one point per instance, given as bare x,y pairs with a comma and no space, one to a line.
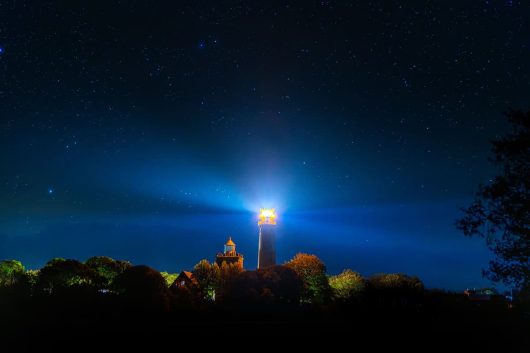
312,271
396,281
169,277
11,272
54,261
501,210
207,277
32,277
347,285
60,274
227,275
106,269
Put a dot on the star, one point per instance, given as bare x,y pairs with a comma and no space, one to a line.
50,191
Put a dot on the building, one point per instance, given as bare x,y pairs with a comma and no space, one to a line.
267,238
229,256
185,279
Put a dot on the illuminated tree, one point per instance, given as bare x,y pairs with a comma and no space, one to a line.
347,285
312,271
11,272
32,277
501,210
208,277
169,277
106,269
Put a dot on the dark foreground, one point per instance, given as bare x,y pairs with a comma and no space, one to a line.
62,326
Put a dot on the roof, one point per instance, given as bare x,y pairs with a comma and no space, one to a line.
230,242
187,276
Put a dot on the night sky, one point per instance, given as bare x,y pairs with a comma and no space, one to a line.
151,130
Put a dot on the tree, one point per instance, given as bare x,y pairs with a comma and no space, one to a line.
207,277
143,288
284,283
228,273
395,289
169,277
500,212
397,281
11,272
347,285
106,269
278,284
312,271
61,274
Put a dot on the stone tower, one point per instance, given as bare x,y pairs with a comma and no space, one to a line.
229,255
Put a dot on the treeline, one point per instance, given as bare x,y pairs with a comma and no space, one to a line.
302,281
104,299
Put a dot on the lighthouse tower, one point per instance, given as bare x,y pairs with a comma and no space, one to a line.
267,235
229,255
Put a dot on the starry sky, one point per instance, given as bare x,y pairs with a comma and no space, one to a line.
152,130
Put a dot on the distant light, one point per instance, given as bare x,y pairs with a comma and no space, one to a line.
50,191
1,50
202,45
267,216
267,213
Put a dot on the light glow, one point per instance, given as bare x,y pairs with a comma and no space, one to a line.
267,216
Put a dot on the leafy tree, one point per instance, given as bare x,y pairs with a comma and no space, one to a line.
396,281
169,277
207,276
60,274
140,280
144,287
228,273
500,212
32,277
395,289
106,269
312,271
347,285
284,283
11,272
278,284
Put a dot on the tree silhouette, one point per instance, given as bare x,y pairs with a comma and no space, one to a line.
501,210
395,289
144,288
227,275
274,284
106,269
60,274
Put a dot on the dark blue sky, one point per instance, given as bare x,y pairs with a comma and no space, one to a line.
150,131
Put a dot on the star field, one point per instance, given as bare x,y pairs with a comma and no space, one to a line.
130,129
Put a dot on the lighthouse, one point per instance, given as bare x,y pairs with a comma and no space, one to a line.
267,235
